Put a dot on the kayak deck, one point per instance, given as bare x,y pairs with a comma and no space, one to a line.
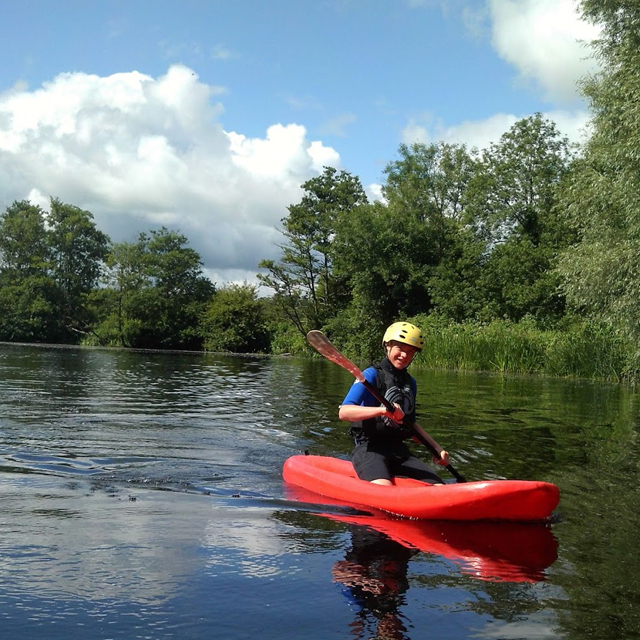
513,500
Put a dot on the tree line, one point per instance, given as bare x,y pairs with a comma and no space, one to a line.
62,280
531,235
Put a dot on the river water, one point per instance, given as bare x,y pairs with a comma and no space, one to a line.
141,497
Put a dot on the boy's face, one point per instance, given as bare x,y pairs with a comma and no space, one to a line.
400,355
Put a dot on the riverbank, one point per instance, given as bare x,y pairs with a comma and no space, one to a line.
581,349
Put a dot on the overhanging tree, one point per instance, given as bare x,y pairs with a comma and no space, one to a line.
603,196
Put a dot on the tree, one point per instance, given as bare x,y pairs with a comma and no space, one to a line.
455,285
157,292
23,240
390,251
512,206
27,290
515,191
304,282
116,304
430,180
602,199
78,250
387,256
235,321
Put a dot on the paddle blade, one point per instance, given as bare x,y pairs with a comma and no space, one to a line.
323,346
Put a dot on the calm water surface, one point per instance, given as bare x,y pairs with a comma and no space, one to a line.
142,498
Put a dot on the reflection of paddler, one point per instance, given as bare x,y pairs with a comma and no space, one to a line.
374,574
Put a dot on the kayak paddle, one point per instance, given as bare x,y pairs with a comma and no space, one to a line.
323,346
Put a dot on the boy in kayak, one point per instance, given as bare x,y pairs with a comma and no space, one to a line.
381,452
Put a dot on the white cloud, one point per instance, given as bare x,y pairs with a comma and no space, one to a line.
374,192
283,150
545,41
220,52
140,152
338,126
481,133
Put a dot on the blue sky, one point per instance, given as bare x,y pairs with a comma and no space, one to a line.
206,116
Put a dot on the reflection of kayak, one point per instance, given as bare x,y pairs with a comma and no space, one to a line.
494,551
515,500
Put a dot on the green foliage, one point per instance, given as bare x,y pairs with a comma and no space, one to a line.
286,339
27,290
512,205
27,313
158,293
49,266
358,334
518,281
500,345
602,199
393,252
589,350
305,286
581,349
385,255
431,181
235,321
514,190
24,246
78,250
456,286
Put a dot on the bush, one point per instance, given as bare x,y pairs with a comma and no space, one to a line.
286,339
235,321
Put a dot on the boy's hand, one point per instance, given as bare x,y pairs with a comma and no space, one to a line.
397,416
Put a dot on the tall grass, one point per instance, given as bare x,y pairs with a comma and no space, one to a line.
583,350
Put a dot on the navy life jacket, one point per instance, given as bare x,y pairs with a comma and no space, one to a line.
394,385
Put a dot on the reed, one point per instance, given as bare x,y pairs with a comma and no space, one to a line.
582,350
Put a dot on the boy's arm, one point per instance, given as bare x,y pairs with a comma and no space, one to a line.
442,457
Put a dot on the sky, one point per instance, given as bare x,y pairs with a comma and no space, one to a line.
207,116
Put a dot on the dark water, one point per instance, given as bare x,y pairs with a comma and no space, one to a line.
141,497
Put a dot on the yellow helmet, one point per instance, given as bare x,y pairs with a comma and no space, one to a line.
404,332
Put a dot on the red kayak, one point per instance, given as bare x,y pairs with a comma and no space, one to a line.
513,500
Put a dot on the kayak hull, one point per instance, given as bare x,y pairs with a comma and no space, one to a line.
509,500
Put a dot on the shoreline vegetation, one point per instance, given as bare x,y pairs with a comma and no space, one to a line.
586,350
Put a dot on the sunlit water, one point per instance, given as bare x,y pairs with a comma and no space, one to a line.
141,497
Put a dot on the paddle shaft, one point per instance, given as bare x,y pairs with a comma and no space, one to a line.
323,346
